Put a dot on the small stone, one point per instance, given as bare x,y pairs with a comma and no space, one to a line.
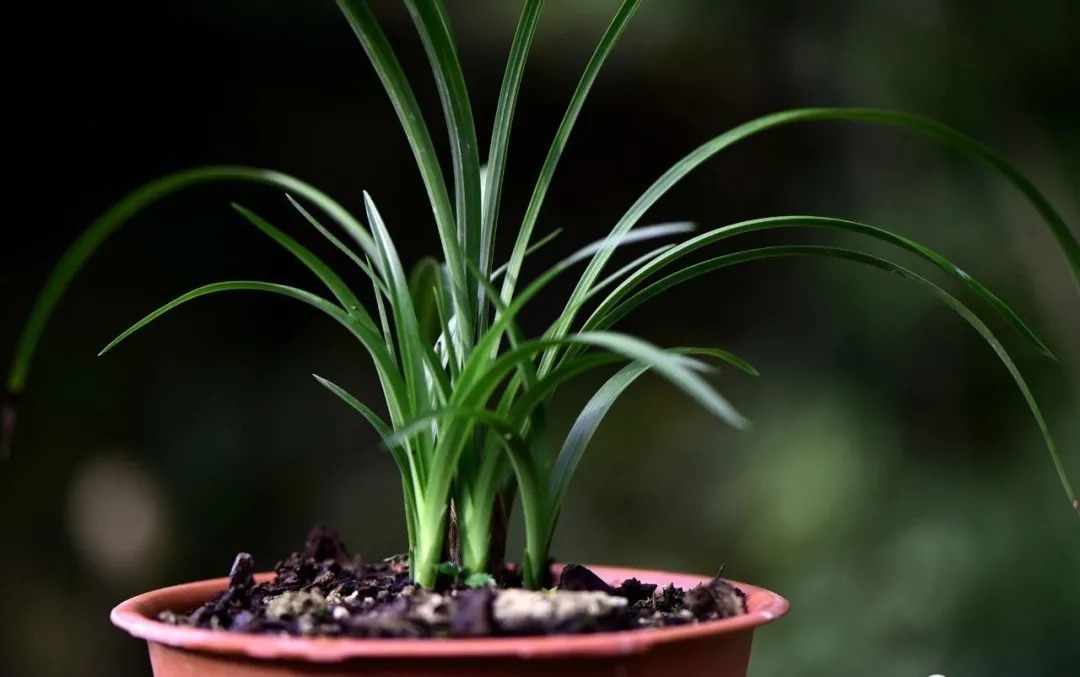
292,604
429,608
518,611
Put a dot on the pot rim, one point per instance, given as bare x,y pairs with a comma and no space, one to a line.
137,616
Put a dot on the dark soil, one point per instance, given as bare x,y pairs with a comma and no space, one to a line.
325,591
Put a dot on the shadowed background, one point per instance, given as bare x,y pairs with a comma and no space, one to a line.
893,486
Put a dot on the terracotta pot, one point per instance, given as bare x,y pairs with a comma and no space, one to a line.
717,648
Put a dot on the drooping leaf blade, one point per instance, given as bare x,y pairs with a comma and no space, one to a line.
594,411
488,343
88,242
883,264
370,416
934,129
716,235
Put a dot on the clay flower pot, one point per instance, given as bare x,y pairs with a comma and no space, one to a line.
716,648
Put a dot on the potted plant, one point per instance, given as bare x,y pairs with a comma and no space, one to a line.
466,394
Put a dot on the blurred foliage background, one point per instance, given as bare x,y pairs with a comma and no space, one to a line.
894,487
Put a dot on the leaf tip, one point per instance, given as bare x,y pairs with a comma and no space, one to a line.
1076,505
738,421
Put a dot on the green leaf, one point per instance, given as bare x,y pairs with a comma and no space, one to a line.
876,262
416,354
325,274
378,352
421,422
500,136
596,409
433,26
931,128
498,272
384,321
365,266
710,237
84,247
577,101
393,387
374,419
402,458
424,281
448,342
675,370
488,344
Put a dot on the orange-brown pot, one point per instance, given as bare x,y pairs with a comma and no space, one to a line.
716,648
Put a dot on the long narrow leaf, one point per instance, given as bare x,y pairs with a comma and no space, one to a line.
417,356
326,275
675,370
384,321
936,130
712,236
400,454
393,387
247,285
434,28
87,243
370,416
424,279
498,272
577,101
500,135
488,344
364,265
876,262
520,410
596,409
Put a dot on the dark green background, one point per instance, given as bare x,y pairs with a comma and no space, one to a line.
893,487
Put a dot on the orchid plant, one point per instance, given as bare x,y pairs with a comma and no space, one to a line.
465,390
